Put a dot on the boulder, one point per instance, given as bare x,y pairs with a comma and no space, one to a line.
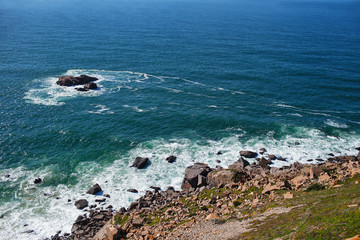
140,162
72,81
132,190
248,154
37,180
82,89
91,86
82,203
264,163
94,189
171,159
269,188
239,164
262,150
194,175
220,178
288,195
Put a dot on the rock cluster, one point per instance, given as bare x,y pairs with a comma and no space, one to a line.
85,80
212,195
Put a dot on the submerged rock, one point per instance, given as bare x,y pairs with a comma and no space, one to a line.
132,190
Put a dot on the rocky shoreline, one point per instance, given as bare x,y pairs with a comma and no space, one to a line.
207,194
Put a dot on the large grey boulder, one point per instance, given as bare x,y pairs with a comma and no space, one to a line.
81,203
140,162
239,164
195,176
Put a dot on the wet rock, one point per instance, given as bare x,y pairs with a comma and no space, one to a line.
100,200
7,175
37,180
82,89
91,86
271,157
239,164
132,190
72,81
140,162
218,161
194,175
248,154
262,150
28,231
155,188
171,159
94,189
219,153
81,203
106,195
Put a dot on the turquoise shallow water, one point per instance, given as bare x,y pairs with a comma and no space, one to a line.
188,78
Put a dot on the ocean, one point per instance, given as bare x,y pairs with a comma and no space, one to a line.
176,77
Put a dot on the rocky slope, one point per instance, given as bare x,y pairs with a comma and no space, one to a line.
216,203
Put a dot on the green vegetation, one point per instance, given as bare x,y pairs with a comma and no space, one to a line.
120,220
315,187
327,214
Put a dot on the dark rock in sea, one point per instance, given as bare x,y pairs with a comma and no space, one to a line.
132,190
195,176
281,159
106,195
37,180
309,160
109,207
100,200
248,154
82,203
155,188
69,200
91,86
94,189
331,154
297,143
92,206
28,231
219,153
264,163
140,162
171,159
72,81
7,175
357,148
239,164
262,150
82,89
218,161
271,157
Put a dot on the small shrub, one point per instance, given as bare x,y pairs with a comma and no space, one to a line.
237,203
315,187
204,208
241,177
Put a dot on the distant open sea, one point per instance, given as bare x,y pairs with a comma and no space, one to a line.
176,77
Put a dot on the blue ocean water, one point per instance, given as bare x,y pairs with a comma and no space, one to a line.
188,78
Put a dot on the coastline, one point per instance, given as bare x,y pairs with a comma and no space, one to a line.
211,194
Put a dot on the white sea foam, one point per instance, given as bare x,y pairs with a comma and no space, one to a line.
336,124
100,109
